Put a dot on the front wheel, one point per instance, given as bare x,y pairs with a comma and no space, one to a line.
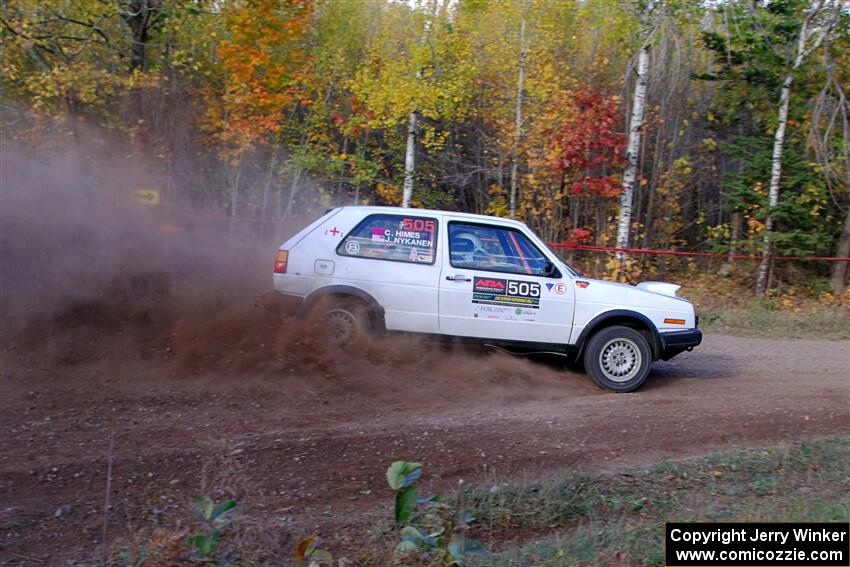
618,358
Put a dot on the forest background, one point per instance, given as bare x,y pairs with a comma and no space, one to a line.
574,116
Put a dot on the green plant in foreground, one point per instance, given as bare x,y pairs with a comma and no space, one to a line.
439,530
214,518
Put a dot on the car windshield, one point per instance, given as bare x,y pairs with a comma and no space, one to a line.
561,261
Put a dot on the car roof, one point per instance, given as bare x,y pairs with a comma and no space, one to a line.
370,209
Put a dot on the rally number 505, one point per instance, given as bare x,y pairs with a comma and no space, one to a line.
523,289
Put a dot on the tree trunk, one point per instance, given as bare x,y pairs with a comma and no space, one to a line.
410,153
775,176
266,188
838,270
140,17
293,189
409,160
633,151
779,139
520,85
735,237
234,197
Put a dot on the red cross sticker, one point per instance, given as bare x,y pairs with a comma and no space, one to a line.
334,231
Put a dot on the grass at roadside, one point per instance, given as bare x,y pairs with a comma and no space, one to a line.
566,520
591,520
758,320
728,306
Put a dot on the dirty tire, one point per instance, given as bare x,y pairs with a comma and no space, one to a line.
347,323
618,358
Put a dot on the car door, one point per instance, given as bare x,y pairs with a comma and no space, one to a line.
497,283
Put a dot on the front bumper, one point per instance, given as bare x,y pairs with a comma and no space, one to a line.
676,342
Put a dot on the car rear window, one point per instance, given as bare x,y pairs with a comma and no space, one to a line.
397,238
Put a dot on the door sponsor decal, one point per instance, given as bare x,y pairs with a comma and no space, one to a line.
560,288
503,312
497,291
489,285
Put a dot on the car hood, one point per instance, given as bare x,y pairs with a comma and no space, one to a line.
646,294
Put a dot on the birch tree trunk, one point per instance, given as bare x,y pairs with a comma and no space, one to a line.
410,152
520,85
775,175
633,151
409,160
779,138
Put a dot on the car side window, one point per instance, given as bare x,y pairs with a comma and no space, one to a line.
496,249
397,238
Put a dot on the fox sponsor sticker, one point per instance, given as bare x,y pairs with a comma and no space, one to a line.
497,291
503,312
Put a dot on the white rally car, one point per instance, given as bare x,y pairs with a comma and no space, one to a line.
479,278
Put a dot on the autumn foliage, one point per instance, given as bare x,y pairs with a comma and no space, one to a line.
591,147
264,62
278,108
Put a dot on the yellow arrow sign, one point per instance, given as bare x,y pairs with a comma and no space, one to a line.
146,196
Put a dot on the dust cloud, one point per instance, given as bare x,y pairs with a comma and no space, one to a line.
68,237
90,277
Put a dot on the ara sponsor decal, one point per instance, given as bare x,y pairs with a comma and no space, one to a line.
489,285
495,291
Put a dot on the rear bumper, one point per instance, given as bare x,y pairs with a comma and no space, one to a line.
676,342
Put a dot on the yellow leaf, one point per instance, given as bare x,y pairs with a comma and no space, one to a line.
304,547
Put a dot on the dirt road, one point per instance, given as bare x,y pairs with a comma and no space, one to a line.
246,404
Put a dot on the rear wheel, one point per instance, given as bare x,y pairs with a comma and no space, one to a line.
347,322
618,358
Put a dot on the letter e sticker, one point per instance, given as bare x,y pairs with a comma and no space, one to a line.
560,288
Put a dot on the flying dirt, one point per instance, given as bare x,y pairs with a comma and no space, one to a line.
171,348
